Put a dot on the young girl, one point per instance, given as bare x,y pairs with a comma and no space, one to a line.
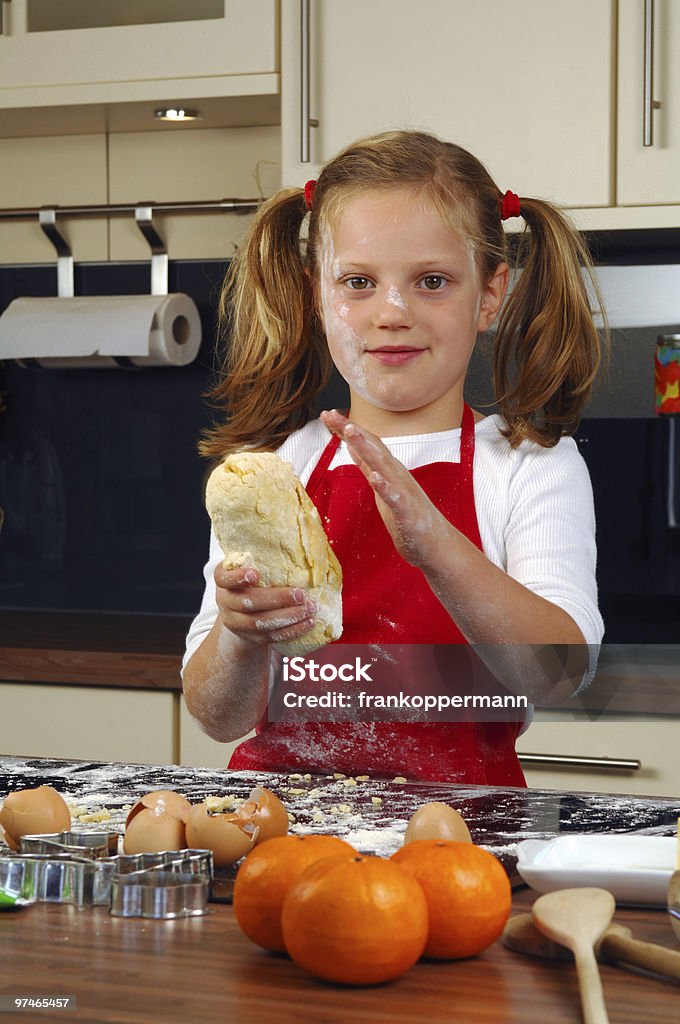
451,527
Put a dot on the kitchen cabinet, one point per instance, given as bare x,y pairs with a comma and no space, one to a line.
651,739
77,63
131,167
91,723
648,174
526,86
71,169
190,166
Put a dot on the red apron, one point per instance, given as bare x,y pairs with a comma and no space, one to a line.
388,601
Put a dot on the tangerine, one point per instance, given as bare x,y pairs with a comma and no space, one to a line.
266,874
355,920
468,895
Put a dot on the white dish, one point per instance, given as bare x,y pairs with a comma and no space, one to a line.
635,869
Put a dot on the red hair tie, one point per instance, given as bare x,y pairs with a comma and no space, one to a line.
309,193
510,205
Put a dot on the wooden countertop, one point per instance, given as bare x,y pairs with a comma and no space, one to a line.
204,969
93,650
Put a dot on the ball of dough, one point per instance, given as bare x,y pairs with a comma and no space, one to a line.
262,516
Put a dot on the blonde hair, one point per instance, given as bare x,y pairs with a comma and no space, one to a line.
547,349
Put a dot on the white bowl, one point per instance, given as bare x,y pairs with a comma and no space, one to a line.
635,869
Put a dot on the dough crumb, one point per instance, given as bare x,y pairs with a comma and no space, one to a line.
218,804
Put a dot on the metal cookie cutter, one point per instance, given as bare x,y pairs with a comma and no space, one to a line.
91,845
149,879
194,862
59,878
158,893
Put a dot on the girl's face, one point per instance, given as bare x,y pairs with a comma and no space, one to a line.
402,304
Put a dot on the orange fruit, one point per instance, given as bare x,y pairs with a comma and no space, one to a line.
467,891
266,874
355,920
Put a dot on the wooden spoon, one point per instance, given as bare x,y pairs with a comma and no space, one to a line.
577,918
674,902
617,946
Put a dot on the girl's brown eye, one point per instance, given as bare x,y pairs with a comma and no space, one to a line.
358,283
433,282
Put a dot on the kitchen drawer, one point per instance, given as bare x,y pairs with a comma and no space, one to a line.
93,723
651,739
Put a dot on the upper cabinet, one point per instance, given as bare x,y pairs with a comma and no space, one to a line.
56,57
649,50
527,86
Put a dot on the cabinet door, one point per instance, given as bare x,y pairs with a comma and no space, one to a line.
43,43
650,739
526,86
649,174
89,722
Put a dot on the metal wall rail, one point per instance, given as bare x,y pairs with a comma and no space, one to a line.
129,209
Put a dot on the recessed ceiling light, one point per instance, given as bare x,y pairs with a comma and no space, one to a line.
177,114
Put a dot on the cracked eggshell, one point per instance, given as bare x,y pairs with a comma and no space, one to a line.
264,809
437,821
162,801
229,836
152,830
38,811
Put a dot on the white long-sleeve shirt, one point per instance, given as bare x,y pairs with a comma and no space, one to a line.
534,509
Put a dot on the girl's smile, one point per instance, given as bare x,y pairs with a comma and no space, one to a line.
402,305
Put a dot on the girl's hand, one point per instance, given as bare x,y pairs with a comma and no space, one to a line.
261,615
413,522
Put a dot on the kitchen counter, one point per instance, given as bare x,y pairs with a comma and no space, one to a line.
131,971
204,969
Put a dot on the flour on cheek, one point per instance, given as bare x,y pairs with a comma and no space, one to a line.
346,347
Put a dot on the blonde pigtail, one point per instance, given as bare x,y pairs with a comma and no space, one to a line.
276,360
548,349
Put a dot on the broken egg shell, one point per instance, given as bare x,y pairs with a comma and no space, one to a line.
227,835
27,812
162,801
152,831
264,809
437,821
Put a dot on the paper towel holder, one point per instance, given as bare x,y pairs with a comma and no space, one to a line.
47,219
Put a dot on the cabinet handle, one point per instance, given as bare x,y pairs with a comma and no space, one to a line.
563,761
648,126
305,62
1,12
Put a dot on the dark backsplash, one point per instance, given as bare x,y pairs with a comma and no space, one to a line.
102,486
100,479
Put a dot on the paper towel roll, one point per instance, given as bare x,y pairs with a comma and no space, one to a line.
102,331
